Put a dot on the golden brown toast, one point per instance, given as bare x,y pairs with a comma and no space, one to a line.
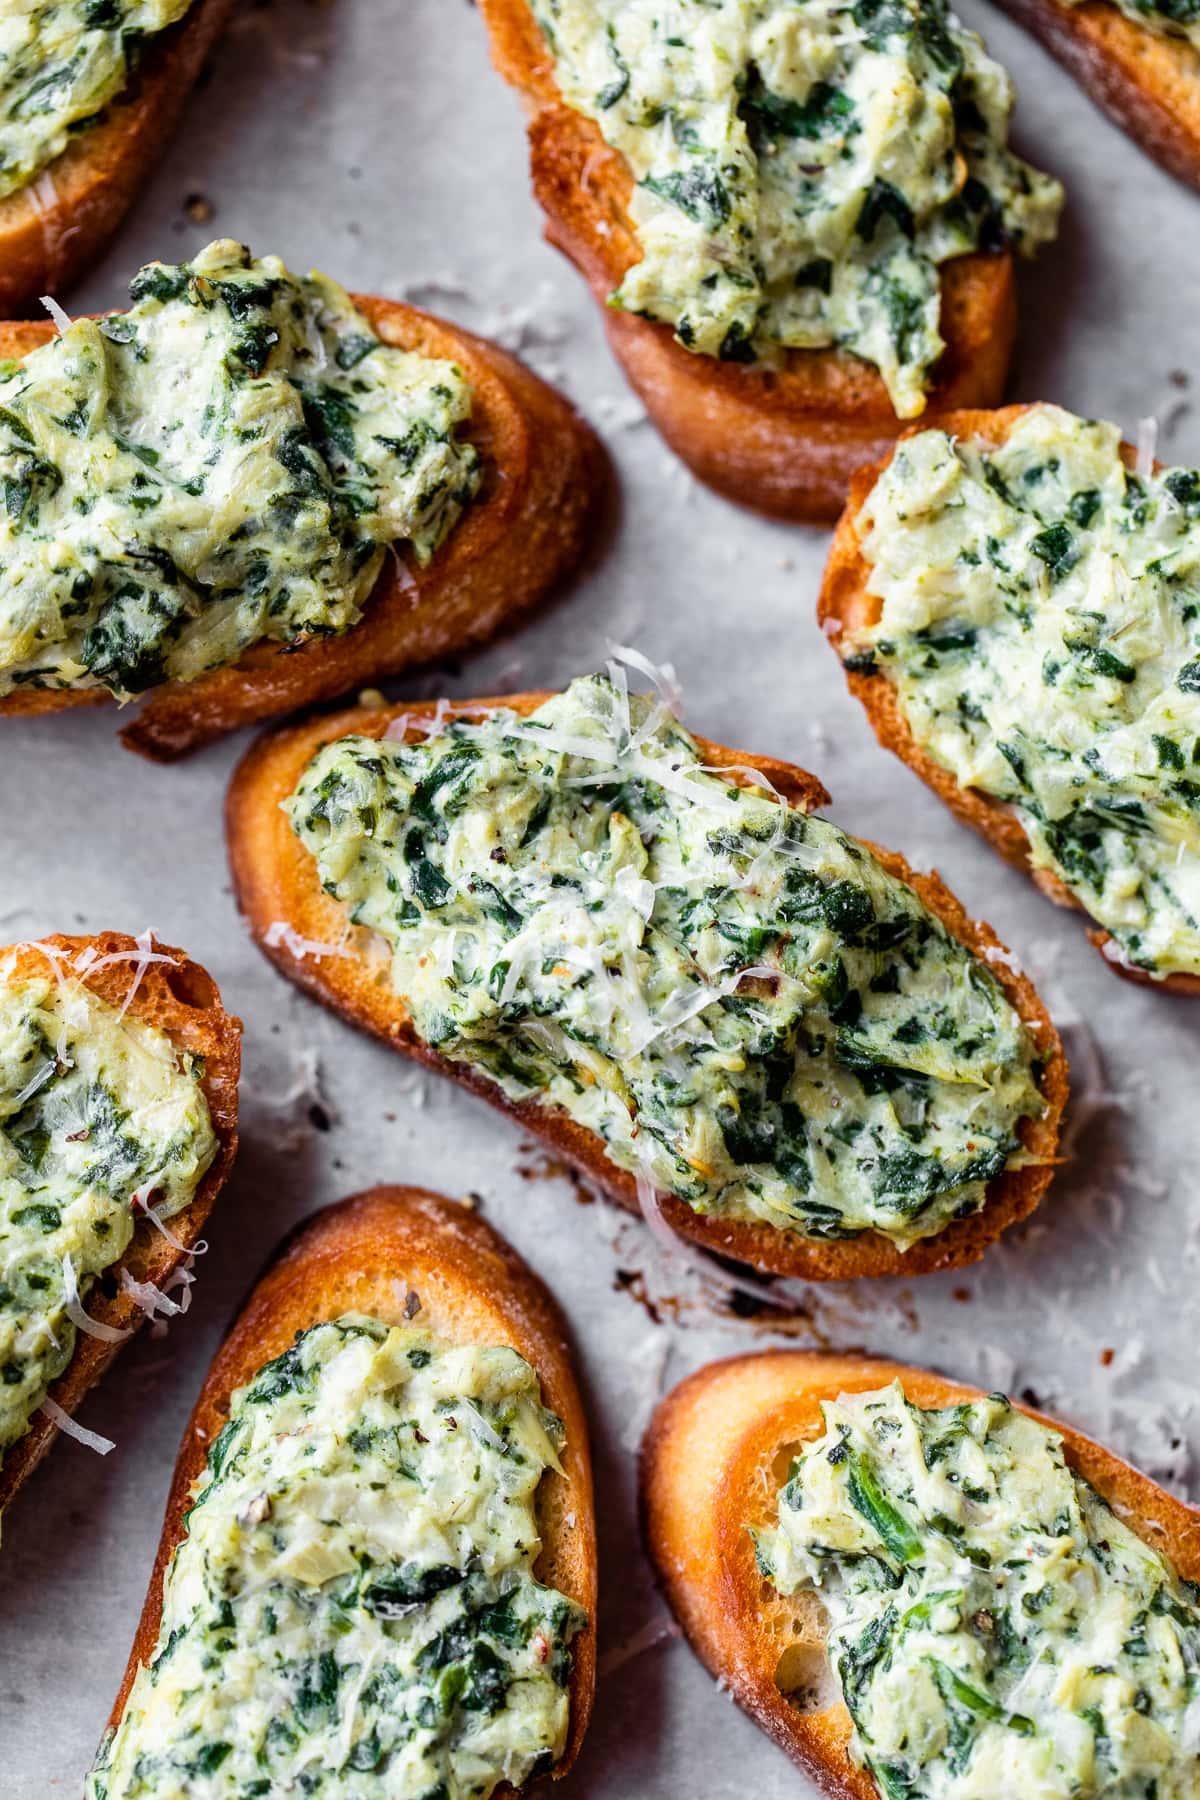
181,1000
54,229
545,481
785,441
275,880
717,1450
1147,84
366,1255
845,605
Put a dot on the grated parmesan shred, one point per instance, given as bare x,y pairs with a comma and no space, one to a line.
106,1334
280,933
62,319
92,1440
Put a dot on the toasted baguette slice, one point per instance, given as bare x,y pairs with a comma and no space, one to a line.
367,1254
1148,84
785,442
276,882
183,1002
845,605
712,1462
52,230
545,481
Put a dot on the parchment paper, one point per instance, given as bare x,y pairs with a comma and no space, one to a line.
371,138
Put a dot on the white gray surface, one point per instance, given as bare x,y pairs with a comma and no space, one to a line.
370,137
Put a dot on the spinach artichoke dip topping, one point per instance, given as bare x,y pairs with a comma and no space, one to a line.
352,1612
61,63
801,167
1041,624
996,1629
94,1109
749,1011
1170,18
224,463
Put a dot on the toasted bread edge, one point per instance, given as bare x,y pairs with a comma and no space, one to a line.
1147,83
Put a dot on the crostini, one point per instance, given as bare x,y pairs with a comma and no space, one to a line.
112,109
391,1444
1012,598
722,233
259,493
642,947
801,1509
118,1127
1139,63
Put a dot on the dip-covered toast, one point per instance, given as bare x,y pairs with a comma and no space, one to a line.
251,492
1139,60
920,1590
801,225
378,1560
645,948
118,1127
1013,598
89,92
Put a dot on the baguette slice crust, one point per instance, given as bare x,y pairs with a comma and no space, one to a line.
49,238
844,605
785,442
366,1254
712,1462
545,482
275,882
1148,84
183,1001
